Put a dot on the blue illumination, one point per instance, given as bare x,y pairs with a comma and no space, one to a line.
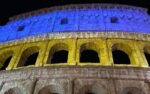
78,20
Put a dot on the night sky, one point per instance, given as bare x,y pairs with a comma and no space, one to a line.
10,8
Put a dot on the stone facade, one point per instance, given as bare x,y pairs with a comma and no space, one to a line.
76,80
100,28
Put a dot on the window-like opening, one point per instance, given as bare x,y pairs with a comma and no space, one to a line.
64,21
59,57
29,57
21,28
6,63
58,54
147,55
88,56
114,20
120,57
5,59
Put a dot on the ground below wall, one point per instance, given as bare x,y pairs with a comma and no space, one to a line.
76,80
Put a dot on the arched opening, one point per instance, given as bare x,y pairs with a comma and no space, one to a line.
121,54
59,57
132,90
51,90
6,63
58,54
92,89
120,57
29,57
147,55
89,56
5,59
14,91
89,53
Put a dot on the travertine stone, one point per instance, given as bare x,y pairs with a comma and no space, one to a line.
24,86
76,80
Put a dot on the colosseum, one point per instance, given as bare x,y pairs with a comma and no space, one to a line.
76,49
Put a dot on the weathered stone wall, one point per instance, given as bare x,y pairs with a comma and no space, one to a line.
74,77
76,80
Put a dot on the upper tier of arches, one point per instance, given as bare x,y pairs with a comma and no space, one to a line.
72,52
75,18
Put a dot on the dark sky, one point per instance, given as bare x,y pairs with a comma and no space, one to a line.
10,8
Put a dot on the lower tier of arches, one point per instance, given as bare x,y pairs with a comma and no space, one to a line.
76,80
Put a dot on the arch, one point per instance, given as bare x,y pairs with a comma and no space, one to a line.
51,89
89,53
92,89
58,54
120,54
60,57
132,90
29,56
147,54
5,59
15,90
120,57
